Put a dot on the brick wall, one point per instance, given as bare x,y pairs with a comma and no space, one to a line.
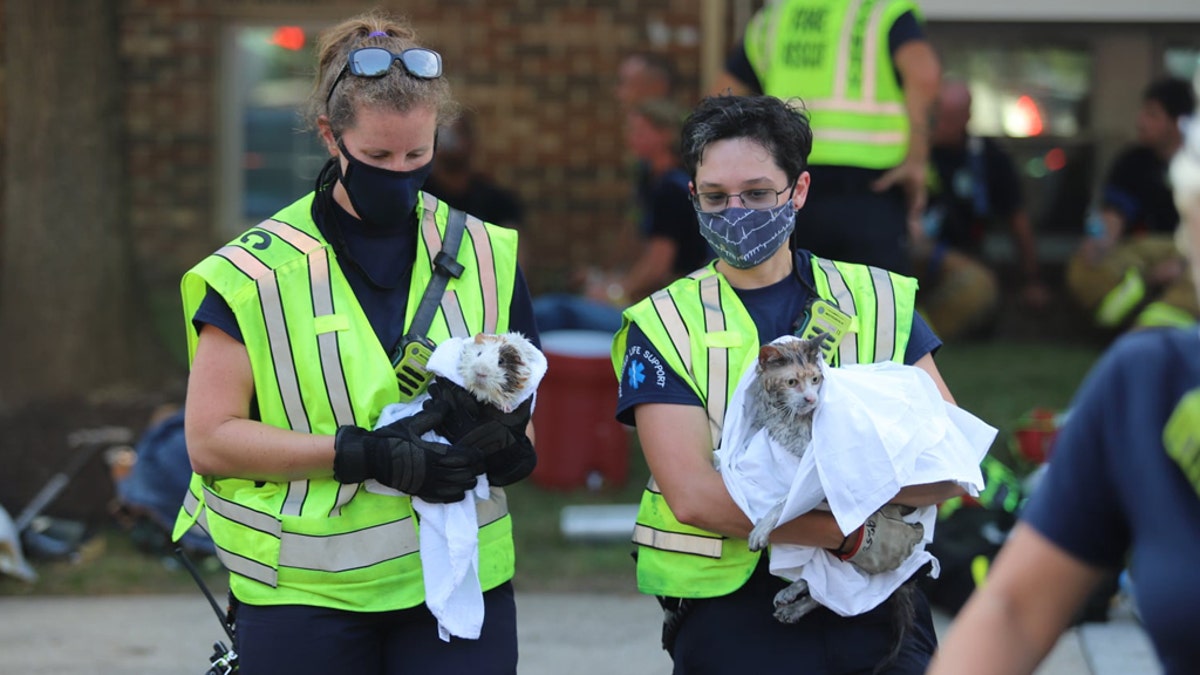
539,74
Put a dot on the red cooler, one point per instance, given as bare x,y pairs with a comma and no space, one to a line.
579,442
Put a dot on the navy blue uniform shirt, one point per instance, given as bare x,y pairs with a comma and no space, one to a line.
1112,496
646,378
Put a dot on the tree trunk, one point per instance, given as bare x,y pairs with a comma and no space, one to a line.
69,319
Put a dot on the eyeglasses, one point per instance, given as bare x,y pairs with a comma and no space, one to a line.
757,199
418,62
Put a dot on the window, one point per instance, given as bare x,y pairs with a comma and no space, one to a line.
268,158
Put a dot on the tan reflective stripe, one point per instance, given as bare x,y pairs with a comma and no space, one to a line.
848,350
487,273
843,54
668,313
345,493
351,550
453,313
864,137
885,315
495,507
299,239
327,343
865,106
718,357
240,564
870,58
708,547
280,345
255,520
244,260
293,503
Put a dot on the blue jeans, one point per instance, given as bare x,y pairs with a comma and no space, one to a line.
563,311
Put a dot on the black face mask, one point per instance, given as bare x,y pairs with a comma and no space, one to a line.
381,197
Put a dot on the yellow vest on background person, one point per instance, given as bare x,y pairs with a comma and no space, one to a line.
834,56
317,365
702,331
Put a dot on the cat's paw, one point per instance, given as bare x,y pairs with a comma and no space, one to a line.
760,536
794,602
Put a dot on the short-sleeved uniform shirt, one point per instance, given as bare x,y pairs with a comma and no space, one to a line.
1137,187
970,189
774,310
1113,497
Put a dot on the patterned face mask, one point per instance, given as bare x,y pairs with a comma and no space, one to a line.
744,237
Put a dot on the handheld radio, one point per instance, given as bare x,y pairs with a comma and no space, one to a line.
823,316
410,362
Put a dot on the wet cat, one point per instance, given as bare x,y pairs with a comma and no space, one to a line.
782,399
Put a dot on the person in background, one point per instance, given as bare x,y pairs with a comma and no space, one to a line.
458,182
1123,487
1127,272
292,333
642,76
670,245
868,78
972,184
678,356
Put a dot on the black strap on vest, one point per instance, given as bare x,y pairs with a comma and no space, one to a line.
445,265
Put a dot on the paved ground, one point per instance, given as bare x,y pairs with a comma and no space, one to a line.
580,634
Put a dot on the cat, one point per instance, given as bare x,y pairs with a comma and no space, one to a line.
496,368
782,399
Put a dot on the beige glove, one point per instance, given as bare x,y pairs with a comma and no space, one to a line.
883,542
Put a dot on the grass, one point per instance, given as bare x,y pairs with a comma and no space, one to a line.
997,381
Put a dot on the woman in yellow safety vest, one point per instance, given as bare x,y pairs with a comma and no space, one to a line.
294,330
679,357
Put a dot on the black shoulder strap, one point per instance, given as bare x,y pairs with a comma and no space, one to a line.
445,265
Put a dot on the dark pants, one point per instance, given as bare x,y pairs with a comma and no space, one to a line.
854,224
296,640
737,633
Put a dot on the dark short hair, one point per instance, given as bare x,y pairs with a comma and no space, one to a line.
1176,96
780,127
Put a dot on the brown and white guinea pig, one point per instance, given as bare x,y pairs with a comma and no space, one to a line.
497,368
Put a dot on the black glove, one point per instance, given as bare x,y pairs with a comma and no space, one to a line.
508,463
396,456
509,453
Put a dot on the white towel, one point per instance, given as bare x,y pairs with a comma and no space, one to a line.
878,428
449,533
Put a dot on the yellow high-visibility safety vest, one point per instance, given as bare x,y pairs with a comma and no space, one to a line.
700,328
317,365
834,55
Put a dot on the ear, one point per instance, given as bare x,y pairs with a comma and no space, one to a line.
479,339
800,195
812,346
325,131
767,354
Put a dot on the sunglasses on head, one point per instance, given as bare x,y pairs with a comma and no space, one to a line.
418,62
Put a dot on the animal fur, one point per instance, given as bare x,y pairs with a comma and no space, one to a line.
496,368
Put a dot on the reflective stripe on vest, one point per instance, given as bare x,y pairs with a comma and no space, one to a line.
305,368
671,555
835,57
